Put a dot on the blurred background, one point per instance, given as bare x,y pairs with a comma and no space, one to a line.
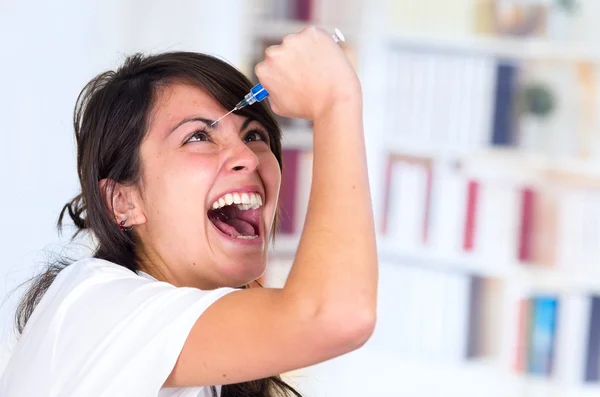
482,121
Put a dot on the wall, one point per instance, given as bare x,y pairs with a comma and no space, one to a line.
49,52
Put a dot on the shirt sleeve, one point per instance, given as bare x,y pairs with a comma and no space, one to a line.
109,332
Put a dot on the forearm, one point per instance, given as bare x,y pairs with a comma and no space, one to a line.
336,262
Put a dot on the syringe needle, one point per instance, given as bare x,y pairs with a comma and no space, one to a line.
222,117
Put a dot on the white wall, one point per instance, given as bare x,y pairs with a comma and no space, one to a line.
49,50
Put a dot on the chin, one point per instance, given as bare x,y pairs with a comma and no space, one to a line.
243,272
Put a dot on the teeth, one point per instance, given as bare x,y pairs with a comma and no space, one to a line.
246,237
244,201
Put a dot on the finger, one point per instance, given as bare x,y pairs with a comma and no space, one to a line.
260,71
274,105
288,38
272,51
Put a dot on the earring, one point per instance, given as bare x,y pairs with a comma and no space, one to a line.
122,225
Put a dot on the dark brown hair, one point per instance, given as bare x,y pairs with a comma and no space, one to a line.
111,120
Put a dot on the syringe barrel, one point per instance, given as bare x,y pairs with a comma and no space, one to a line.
256,94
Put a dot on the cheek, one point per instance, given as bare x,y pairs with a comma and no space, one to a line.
179,186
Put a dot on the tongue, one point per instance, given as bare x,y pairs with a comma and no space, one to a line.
235,227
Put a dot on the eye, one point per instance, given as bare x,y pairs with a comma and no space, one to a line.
256,135
199,136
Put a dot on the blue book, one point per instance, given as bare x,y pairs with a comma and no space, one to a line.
592,367
504,109
543,334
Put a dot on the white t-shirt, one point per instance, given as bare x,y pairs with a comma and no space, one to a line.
101,330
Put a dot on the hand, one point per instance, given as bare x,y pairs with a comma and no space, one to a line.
307,75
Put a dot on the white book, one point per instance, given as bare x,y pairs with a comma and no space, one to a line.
391,101
280,10
423,301
407,205
455,95
419,99
569,227
572,338
393,302
466,103
441,106
263,9
457,317
394,219
409,92
440,300
590,243
514,292
498,217
398,104
448,209
414,311
483,102
429,132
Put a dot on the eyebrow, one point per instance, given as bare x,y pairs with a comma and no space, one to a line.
208,122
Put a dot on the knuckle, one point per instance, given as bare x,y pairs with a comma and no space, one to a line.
271,51
258,69
287,38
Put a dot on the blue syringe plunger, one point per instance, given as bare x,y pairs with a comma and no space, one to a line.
256,94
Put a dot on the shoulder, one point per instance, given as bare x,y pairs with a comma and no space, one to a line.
97,313
87,268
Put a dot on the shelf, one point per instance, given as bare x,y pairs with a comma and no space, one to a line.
513,48
428,378
570,171
429,152
538,277
274,29
513,163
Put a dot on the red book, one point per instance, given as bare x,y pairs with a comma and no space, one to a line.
303,10
527,227
521,359
288,191
471,221
427,205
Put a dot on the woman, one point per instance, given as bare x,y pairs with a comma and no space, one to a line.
182,214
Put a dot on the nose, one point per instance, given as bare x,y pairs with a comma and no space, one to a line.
242,159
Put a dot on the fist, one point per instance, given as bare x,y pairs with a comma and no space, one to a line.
307,74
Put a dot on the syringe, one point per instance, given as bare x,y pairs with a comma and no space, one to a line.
258,93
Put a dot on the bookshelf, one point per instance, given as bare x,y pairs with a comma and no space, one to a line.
479,229
506,47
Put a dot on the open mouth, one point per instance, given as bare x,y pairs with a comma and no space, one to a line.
237,215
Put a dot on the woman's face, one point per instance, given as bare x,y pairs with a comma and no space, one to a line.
207,195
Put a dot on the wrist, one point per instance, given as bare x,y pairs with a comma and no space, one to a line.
343,106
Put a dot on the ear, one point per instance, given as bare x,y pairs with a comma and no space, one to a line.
124,202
